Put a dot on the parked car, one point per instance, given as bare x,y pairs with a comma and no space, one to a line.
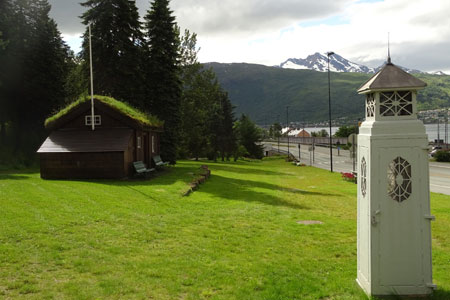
434,150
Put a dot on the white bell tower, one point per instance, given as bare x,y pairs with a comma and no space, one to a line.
394,232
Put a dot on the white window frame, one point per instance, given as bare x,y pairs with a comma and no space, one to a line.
153,144
139,142
97,120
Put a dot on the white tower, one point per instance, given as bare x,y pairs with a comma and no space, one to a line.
394,232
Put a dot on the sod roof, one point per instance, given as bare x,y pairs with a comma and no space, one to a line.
121,107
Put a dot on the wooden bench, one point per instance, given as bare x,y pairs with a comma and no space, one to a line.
158,161
141,170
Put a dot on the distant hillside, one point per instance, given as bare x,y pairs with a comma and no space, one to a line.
264,92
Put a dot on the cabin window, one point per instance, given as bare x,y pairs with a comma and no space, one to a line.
153,144
97,120
139,142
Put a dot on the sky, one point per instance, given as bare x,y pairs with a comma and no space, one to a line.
269,32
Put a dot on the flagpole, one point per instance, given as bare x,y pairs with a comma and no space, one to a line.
92,80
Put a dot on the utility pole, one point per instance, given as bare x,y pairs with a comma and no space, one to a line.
287,123
92,79
329,111
278,133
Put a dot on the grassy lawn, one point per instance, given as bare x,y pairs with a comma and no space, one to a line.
237,237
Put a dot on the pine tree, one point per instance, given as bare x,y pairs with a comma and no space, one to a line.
249,136
116,49
163,82
35,63
228,137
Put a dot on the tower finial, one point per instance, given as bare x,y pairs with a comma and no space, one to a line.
389,52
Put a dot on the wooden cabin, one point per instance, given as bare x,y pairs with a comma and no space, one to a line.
122,135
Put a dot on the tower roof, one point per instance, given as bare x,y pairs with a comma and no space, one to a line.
391,77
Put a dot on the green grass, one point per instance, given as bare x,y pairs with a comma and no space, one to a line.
237,237
122,107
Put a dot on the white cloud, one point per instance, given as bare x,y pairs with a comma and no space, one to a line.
270,31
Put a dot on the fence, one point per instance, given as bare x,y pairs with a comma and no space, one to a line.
310,140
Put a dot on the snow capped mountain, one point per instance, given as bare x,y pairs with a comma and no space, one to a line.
437,73
318,62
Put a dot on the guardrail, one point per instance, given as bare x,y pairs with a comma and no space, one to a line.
310,140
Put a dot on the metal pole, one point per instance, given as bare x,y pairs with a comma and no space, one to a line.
92,80
329,111
439,138
353,154
278,134
446,130
299,154
287,123
313,149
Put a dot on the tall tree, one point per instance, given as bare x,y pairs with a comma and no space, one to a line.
249,136
163,82
35,63
116,49
5,28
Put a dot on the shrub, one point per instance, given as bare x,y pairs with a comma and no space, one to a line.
442,156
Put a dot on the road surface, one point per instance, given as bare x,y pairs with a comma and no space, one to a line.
439,172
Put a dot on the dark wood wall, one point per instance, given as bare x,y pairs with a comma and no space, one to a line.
69,165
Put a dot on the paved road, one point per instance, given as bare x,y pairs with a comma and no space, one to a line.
439,172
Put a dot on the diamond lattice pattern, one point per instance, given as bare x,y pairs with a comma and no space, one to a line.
396,103
370,105
399,179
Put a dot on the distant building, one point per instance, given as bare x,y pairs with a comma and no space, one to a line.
303,133
122,135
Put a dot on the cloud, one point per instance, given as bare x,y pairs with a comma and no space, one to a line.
271,31
66,14
237,17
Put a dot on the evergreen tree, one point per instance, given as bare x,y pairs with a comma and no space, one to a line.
249,136
163,82
206,111
33,70
116,49
228,138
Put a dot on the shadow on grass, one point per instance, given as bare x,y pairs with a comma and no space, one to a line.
13,177
243,170
244,190
439,294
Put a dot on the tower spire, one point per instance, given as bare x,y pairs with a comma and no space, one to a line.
389,52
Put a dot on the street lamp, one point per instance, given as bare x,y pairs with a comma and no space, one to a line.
287,123
278,134
329,109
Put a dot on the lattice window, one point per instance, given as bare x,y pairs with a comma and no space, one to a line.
363,179
399,179
370,105
396,103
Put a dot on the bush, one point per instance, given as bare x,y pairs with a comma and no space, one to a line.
442,156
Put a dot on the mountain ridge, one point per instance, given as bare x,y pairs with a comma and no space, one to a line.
263,92
319,62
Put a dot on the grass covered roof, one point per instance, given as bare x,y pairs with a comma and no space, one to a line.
122,107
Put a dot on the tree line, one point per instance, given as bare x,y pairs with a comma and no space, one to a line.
150,64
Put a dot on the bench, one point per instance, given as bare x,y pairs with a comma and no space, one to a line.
140,168
158,161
